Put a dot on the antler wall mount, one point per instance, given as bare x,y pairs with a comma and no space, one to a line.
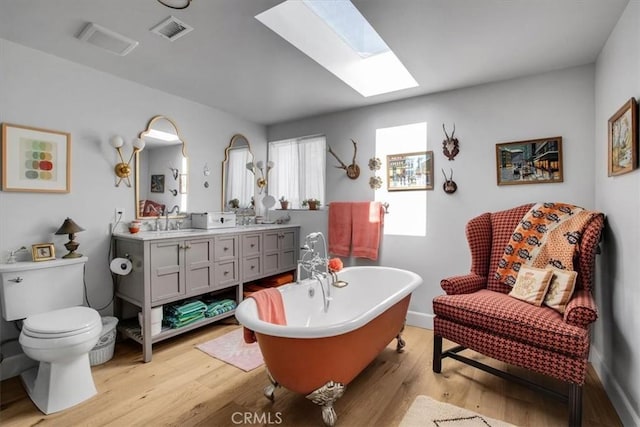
449,185
353,170
450,146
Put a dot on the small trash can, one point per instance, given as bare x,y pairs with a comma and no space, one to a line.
103,350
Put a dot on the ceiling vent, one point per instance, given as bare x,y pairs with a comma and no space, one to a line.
107,39
172,28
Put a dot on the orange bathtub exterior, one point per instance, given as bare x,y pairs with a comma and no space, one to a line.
304,365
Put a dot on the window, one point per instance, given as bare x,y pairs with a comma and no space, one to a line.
299,169
408,208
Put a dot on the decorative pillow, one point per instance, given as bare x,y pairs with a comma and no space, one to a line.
560,290
531,284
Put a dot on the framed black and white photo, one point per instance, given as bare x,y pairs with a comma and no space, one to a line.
157,183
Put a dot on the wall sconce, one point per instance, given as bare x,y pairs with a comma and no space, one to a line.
123,169
71,228
262,179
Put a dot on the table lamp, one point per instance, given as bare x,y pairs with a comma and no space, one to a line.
69,227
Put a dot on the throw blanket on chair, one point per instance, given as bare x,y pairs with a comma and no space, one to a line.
547,236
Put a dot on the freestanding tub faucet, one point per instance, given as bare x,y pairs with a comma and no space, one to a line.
316,263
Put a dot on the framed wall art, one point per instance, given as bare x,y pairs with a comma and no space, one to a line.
36,160
410,171
43,252
623,139
534,161
157,183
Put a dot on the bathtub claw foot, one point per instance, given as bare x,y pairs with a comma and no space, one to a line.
325,396
401,344
269,391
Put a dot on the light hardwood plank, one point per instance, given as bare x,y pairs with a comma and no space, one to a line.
183,386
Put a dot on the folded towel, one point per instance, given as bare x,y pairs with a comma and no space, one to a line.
216,308
340,228
178,322
190,307
367,221
184,313
270,309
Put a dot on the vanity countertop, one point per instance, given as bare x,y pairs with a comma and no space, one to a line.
197,232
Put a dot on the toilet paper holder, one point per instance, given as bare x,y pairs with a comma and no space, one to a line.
121,265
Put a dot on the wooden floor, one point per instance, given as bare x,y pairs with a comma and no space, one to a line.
183,386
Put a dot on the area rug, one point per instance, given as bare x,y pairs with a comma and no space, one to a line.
425,411
232,349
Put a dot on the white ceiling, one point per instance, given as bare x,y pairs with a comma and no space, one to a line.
232,62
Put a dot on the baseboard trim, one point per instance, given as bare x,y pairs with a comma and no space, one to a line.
618,398
14,365
420,320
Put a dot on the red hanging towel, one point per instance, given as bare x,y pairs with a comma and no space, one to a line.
367,221
340,228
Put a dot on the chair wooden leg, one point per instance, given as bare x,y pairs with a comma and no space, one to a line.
575,405
437,353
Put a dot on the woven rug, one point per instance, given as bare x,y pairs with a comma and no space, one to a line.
425,411
232,349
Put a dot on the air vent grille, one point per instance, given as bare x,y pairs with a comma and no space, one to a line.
172,28
107,39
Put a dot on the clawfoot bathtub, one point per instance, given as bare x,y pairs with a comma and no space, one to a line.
317,353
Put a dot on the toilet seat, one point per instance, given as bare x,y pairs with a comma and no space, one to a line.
66,322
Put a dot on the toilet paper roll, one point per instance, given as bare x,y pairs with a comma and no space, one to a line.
121,266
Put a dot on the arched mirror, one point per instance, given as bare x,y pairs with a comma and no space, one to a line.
162,171
237,180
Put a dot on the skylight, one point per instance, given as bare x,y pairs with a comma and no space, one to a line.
350,25
336,35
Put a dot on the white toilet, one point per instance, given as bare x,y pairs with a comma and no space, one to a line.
56,331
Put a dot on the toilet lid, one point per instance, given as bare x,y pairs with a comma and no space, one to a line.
61,323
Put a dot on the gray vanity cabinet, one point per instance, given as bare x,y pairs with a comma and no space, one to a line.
168,269
226,266
252,264
279,252
181,268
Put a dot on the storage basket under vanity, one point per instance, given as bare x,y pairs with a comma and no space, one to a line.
103,350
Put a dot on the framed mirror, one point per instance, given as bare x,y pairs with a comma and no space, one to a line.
162,171
237,180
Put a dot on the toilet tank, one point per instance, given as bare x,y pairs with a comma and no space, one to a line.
36,287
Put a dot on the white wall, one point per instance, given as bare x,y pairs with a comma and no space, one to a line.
616,348
40,90
552,104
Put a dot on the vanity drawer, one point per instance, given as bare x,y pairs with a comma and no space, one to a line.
226,273
251,244
226,248
252,267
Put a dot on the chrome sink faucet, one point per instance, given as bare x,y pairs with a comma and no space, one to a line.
158,213
176,209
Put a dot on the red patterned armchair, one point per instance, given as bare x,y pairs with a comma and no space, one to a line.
477,313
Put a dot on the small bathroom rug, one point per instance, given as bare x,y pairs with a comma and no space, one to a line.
231,349
427,411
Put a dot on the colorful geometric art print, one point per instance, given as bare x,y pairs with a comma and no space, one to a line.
40,159
34,159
